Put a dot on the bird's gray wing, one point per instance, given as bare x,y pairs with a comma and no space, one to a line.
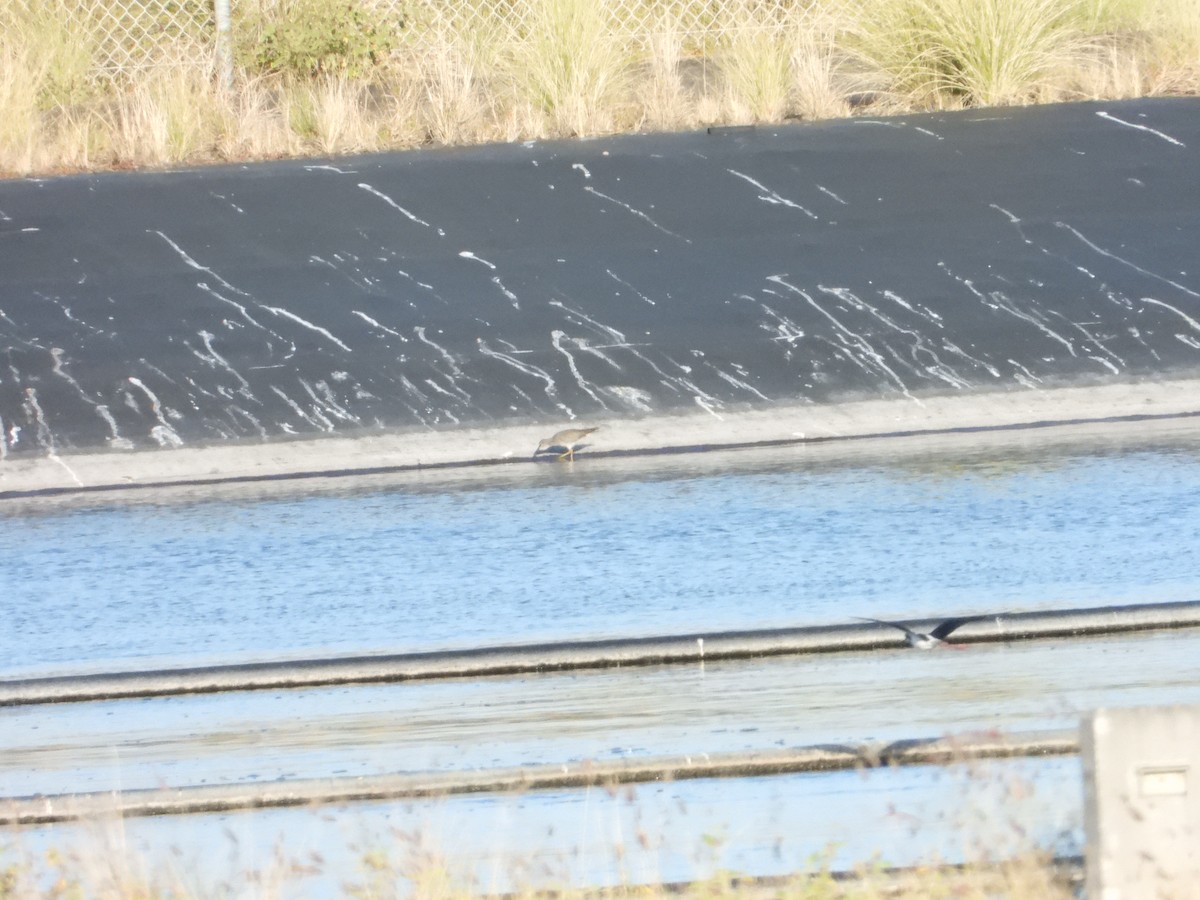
897,625
949,626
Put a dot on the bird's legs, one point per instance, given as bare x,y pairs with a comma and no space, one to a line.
570,454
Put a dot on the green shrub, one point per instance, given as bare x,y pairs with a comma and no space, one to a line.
317,37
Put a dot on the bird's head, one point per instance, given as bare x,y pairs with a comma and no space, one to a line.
543,446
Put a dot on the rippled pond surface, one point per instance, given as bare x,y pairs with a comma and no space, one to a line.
601,548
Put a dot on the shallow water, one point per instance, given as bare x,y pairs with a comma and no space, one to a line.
601,548
554,718
666,832
595,548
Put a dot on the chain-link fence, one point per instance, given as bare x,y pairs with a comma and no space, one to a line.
129,35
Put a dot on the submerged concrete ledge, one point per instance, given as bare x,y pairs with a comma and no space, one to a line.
40,810
1125,404
691,648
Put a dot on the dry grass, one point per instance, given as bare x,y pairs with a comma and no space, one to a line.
661,91
566,71
453,77
983,814
111,867
1173,27
949,53
572,69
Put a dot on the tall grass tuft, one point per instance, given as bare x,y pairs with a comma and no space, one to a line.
57,42
251,123
21,123
169,116
755,63
661,91
45,58
570,68
1175,56
339,120
974,52
817,64
456,71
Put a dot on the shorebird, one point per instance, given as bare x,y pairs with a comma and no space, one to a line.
935,638
567,440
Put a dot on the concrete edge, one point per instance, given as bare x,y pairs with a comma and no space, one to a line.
42,810
979,412
578,655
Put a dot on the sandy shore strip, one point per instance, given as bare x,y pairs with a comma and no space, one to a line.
979,413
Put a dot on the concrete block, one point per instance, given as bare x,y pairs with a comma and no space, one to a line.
1142,803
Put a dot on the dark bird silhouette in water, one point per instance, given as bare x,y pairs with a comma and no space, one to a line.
566,441
935,638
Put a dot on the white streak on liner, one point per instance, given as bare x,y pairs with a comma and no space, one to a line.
396,206
770,196
507,293
556,338
738,383
446,354
162,432
937,369
615,277
1192,322
467,254
860,342
828,192
999,301
203,285
784,330
262,432
326,425
280,311
1126,262
636,212
1032,379
57,354
551,390
598,352
44,434
958,351
195,265
631,396
370,321
1166,137
208,339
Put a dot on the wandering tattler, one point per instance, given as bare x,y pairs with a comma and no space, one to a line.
566,440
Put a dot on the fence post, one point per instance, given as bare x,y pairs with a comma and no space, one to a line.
224,43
